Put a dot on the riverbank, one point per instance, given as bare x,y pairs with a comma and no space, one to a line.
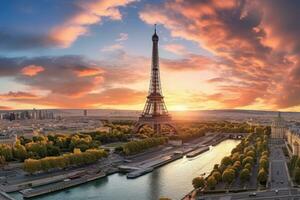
147,162
67,183
165,181
155,159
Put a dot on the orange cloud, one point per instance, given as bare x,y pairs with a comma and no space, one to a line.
88,72
106,98
91,12
176,49
249,63
5,108
32,70
189,62
17,95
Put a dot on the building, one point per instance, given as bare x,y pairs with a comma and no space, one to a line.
278,128
9,139
27,114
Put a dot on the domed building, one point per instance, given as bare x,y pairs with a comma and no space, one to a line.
278,128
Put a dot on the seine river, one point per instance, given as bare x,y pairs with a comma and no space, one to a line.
173,180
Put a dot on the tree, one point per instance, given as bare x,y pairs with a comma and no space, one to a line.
211,182
198,182
248,159
222,168
265,153
237,164
52,150
217,175
248,166
134,147
2,161
45,164
263,164
245,175
216,166
39,149
6,152
19,152
250,153
32,165
262,176
235,157
226,161
297,174
228,175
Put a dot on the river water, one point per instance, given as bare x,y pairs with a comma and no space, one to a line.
173,180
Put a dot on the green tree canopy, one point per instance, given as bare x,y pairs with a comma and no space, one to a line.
262,176
226,161
248,159
19,152
211,182
199,182
228,175
263,164
245,175
217,175
297,174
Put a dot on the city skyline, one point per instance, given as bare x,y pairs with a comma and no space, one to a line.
97,54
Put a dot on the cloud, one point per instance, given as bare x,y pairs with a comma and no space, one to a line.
106,98
113,47
17,95
81,14
13,40
176,49
257,54
191,62
122,37
5,108
75,79
32,70
68,75
90,12
88,71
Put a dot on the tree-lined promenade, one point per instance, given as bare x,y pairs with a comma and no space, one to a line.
239,166
66,160
135,147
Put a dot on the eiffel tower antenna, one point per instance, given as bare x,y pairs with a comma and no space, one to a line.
155,112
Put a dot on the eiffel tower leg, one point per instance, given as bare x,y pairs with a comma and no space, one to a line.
157,128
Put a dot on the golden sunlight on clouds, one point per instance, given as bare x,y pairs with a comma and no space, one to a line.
88,72
32,70
176,49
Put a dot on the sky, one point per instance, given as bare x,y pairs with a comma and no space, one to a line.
214,54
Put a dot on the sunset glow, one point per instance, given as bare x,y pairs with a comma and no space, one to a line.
97,54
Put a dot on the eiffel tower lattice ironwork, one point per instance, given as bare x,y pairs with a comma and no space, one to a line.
155,112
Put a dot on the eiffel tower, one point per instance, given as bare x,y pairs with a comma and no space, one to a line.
155,113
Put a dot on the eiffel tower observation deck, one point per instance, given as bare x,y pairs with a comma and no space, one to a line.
155,113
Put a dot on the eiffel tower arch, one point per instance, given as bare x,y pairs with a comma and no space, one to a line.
155,113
